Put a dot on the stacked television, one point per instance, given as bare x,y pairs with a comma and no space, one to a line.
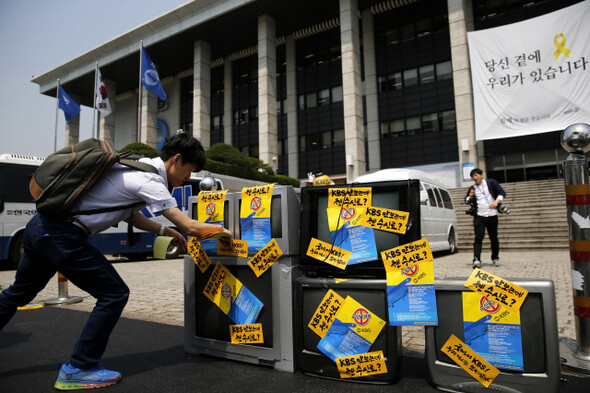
364,282
207,328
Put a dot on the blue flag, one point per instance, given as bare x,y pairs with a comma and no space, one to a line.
149,76
66,104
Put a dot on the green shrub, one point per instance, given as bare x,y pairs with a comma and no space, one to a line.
142,149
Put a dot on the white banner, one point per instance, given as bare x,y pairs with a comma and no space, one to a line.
533,76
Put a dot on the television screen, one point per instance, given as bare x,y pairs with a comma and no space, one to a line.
207,327
394,195
284,218
540,342
371,294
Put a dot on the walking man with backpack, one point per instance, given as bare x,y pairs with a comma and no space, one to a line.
52,245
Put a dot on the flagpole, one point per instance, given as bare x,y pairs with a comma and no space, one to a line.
56,113
94,102
139,92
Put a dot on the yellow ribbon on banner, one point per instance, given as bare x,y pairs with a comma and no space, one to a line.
561,46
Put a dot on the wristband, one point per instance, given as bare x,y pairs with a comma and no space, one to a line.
161,233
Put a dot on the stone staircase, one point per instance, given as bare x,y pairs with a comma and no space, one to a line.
538,218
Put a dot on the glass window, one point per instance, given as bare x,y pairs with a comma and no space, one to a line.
337,94
430,122
431,197
438,197
447,201
423,28
408,32
394,81
391,37
216,122
311,100
243,116
447,120
410,77
313,142
384,128
444,71
338,138
426,74
326,139
413,125
254,151
397,128
382,83
324,97
302,143
301,102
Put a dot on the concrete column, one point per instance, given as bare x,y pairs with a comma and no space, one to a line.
228,109
373,135
149,118
352,90
460,20
267,91
72,134
202,93
106,125
292,131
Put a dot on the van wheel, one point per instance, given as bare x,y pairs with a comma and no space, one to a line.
452,242
16,250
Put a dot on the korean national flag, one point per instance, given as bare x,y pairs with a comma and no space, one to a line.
149,76
102,98
66,104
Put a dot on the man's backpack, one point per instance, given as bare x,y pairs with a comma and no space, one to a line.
66,175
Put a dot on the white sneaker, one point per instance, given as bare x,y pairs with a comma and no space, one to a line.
495,262
476,263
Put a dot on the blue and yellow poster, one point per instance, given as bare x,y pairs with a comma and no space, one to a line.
353,332
210,210
234,299
410,296
348,234
255,216
493,331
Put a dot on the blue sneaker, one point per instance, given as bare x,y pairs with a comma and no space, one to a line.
72,378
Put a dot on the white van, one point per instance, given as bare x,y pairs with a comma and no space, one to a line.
438,221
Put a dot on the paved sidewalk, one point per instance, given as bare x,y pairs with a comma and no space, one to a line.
157,293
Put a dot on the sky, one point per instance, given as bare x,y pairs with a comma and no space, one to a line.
39,35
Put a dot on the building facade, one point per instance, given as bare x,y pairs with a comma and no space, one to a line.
342,87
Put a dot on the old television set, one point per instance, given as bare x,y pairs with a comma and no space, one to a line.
207,328
540,341
284,218
371,294
394,195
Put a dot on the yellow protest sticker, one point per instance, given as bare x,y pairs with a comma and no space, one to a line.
234,248
339,216
328,253
356,366
256,201
265,258
477,307
385,219
210,207
470,361
199,255
407,255
217,278
246,334
326,313
497,289
366,323
350,197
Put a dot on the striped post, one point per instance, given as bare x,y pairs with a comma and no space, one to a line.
62,293
576,139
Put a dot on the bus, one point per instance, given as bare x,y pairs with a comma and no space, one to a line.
17,208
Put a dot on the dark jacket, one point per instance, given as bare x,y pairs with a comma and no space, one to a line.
495,189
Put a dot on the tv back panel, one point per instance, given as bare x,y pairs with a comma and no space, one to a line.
284,218
206,327
371,294
540,341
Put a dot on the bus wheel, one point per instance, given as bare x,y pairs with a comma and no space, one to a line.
16,250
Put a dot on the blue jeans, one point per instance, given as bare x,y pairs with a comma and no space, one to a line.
51,246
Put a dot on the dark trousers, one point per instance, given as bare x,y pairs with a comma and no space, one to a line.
51,246
480,224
